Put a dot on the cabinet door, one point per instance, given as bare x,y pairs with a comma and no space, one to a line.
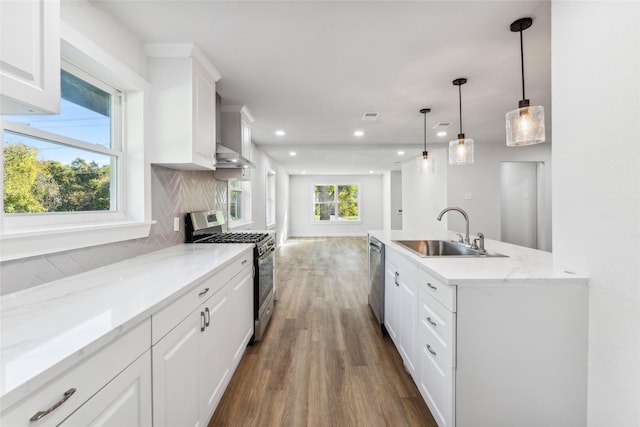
29,56
204,116
176,375
408,322
241,300
125,401
216,352
246,146
392,301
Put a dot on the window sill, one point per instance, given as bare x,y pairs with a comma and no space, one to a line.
337,222
23,244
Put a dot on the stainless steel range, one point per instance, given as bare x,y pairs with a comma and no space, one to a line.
206,227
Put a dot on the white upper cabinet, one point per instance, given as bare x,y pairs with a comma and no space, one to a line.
183,107
29,56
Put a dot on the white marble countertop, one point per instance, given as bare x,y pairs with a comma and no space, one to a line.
49,328
521,266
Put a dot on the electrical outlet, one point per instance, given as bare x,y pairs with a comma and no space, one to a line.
176,223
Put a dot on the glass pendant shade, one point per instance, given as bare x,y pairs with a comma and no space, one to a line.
424,164
525,126
461,151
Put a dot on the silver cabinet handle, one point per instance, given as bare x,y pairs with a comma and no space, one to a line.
65,397
395,279
207,316
431,322
430,350
244,261
435,288
203,292
203,323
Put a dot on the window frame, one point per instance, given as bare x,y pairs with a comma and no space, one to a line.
336,221
245,190
22,238
117,188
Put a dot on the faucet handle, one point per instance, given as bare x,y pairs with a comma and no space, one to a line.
460,238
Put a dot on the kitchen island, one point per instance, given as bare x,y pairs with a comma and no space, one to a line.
72,337
490,341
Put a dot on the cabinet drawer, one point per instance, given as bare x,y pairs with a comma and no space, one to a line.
444,294
434,318
86,378
168,318
436,379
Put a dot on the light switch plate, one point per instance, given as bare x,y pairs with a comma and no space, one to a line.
467,196
176,223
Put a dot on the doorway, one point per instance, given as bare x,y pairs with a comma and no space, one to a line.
519,202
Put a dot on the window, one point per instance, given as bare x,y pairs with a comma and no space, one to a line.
333,203
271,198
67,162
239,202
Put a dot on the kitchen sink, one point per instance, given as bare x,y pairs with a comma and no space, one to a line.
443,248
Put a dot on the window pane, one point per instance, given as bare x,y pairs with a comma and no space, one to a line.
324,211
42,176
85,113
324,193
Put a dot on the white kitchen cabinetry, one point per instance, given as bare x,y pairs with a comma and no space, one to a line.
495,355
183,107
401,306
193,363
29,56
125,400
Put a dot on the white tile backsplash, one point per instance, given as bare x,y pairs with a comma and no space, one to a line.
173,193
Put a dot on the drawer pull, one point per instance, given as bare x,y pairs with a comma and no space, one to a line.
41,414
207,316
430,350
435,288
395,279
203,292
244,261
203,323
431,322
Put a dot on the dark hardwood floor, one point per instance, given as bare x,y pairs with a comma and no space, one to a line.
322,361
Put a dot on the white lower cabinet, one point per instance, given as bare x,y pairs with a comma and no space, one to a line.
400,307
125,401
194,362
112,387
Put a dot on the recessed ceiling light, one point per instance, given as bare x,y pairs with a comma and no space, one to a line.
358,133
442,133
304,173
370,171
400,153
234,160
292,153
280,132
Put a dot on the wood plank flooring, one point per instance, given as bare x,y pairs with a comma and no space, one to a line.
322,361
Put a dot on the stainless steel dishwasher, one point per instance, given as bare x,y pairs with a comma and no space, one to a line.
376,279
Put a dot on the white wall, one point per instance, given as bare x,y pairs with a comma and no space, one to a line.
301,205
482,181
596,194
424,196
386,200
396,200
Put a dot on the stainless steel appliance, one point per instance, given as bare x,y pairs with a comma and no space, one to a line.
376,279
206,227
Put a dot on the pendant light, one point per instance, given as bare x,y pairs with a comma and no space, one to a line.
525,126
461,149
424,164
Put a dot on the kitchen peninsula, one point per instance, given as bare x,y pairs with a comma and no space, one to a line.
489,340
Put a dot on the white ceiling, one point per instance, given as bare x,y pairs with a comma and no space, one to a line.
312,68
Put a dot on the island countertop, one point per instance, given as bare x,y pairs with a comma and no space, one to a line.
520,266
49,328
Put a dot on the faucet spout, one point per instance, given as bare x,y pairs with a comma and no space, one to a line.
466,218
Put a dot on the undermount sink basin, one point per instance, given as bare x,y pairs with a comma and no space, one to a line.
443,248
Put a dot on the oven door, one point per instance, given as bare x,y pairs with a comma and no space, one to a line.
265,279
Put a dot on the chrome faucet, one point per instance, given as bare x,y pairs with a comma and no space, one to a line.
466,218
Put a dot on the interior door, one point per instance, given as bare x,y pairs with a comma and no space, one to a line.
519,203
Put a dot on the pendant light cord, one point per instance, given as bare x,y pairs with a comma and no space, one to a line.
522,63
425,130
460,104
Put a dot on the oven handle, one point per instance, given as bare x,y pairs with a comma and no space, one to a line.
267,256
